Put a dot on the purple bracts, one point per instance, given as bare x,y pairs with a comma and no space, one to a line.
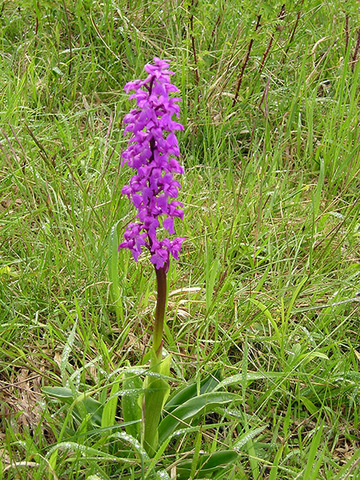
150,152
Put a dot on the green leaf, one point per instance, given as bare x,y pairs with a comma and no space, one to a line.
247,436
57,71
194,407
309,473
238,379
64,362
181,396
131,410
62,393
195,459
109,410
83,403
265,310
309,405
113,269
209,465
87,452
133,442
156,390
294,296
320,185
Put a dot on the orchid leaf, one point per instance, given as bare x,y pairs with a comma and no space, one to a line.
84,404
156,392
209,466
181,396
184,414
131,410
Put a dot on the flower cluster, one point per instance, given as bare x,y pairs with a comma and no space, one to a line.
150,152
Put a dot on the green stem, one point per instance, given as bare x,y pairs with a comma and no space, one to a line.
156,390
159,313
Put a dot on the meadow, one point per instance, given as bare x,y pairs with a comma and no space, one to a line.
266,289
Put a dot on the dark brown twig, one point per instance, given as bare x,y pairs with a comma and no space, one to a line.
281,16
17,384
41,147
245,63
282,13
356,51
266,53
218,22
292,34
294,30
242,71
197,77
212,36
69,31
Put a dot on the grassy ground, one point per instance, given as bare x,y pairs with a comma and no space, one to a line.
267,285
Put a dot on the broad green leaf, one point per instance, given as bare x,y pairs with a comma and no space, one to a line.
62,393
85,451
315,354
92,407
164,369
131,411
183,414
182,395
209,465
83,403
156,391
250,377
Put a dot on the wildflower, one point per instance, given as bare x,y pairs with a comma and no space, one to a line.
151,153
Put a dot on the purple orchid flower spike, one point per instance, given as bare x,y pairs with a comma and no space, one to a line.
152,152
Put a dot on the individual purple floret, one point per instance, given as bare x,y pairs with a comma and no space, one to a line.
150,152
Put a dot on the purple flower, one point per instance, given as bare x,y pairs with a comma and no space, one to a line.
150,153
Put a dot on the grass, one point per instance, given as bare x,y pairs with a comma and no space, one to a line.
267,284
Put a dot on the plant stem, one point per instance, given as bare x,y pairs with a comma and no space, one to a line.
156,390
160,312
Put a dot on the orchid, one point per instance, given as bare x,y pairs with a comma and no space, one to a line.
151,417
151,152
